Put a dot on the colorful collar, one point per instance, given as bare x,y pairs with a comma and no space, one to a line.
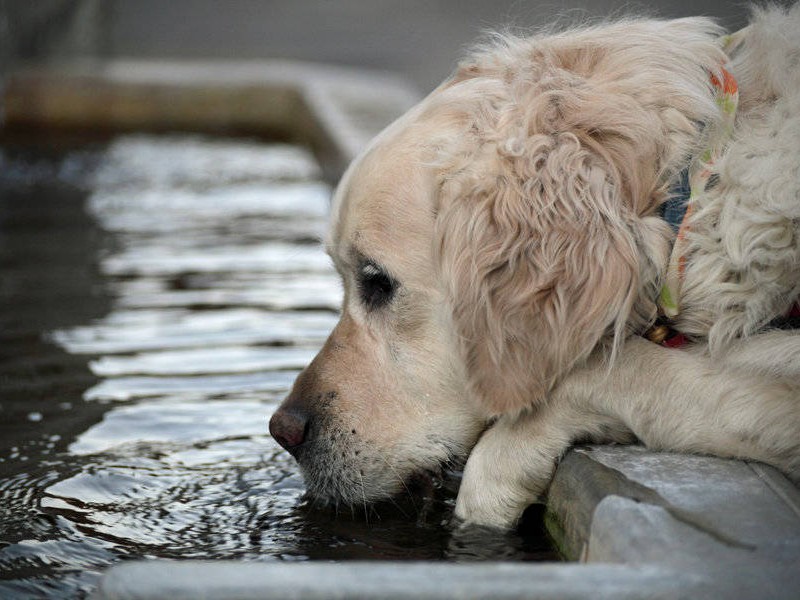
699,182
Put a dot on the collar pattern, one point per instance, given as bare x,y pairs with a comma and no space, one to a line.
700,179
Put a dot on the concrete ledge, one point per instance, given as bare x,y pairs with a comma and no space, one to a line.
390,581
733,523
334,110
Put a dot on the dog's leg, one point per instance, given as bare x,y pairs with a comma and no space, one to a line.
670,399
688,402
776,354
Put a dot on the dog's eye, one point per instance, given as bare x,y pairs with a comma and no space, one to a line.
375,285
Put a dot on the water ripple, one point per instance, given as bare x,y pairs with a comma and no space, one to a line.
205,361
221,296
125,331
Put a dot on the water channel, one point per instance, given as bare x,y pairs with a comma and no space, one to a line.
159,294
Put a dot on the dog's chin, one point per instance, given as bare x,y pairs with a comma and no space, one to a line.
357,487
342,467
353,478
424,496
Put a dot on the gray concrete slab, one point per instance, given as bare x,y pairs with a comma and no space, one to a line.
734,502
628,532
421,39
391,581
735,523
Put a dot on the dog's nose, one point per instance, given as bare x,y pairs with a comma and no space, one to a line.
289,427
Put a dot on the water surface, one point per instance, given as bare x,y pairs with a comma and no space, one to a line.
160,294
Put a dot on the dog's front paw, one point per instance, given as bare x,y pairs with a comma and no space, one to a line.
506,472
489,502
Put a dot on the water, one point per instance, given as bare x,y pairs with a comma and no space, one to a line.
159,295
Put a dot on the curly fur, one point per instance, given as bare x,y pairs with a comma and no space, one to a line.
744,245
556,178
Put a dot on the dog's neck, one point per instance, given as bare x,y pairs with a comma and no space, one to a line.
696,179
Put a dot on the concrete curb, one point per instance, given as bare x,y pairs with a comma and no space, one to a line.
649,525
735,525
334,110
389,581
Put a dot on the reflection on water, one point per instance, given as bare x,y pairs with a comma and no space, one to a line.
220,294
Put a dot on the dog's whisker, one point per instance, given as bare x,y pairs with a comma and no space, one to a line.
364,496
394,503
401,480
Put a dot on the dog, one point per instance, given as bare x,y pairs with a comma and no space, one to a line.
503,253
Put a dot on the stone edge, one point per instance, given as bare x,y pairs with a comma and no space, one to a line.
334,110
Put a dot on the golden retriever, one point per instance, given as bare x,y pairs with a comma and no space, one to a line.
502,253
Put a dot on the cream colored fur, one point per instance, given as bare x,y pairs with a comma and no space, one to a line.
745,268
516,208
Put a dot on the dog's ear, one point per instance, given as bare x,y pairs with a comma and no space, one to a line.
547,236
542,259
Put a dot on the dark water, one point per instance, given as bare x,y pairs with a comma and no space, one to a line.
158,296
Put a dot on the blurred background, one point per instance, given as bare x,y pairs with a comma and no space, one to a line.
421,39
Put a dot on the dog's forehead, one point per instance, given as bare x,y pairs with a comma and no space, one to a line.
384,204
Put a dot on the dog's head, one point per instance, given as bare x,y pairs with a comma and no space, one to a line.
489,241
